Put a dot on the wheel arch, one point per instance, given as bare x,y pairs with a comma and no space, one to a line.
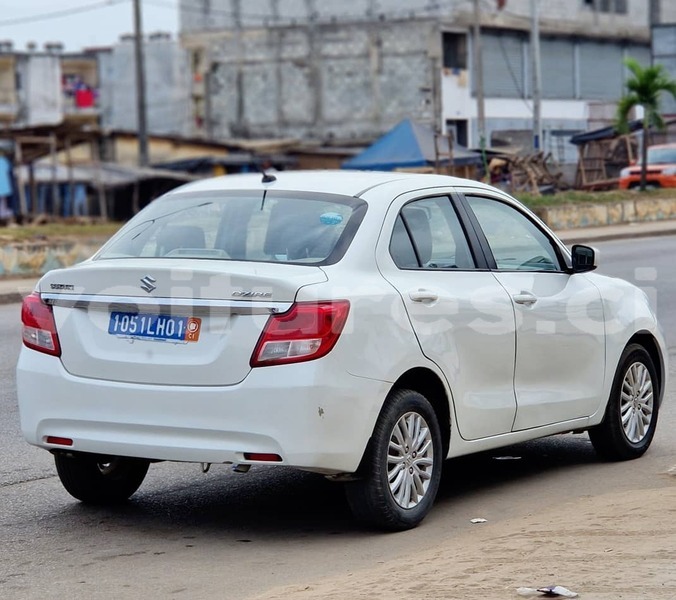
427,382
646,340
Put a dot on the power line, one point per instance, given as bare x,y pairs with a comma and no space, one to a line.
57,14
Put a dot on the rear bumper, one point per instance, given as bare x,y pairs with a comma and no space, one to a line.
312,416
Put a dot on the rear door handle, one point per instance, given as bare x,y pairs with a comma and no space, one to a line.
525,298
424,296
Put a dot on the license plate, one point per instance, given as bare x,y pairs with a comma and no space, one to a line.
155,327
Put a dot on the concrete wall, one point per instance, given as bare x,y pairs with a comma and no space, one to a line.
666,13
639,210
197,15
575,16
40,257
664,52
39,93
167,87
325,82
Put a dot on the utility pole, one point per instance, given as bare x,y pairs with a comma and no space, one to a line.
655,16
140,87
535,61
479,77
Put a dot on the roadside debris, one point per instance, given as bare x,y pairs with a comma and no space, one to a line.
550,591
534,173
478,520
506,458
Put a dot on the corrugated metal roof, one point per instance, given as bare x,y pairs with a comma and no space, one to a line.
109,174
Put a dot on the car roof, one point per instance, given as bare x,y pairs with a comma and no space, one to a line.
347,183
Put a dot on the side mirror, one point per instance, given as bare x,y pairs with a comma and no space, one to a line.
585,258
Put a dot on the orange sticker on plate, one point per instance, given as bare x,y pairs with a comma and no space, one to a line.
192,333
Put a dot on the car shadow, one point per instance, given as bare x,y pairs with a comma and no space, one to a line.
538,458
269,501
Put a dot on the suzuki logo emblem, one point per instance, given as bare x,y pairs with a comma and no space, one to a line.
147,283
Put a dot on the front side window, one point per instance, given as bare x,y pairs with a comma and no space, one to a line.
516,242
242,226
428,235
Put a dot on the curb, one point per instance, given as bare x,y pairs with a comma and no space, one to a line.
11,298
22,287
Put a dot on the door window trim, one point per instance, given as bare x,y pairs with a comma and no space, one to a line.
564,266
473,241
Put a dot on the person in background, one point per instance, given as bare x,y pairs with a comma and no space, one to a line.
5,187
80,200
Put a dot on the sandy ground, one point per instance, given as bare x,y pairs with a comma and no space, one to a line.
614,546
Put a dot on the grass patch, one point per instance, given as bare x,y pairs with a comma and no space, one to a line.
581,197
58,231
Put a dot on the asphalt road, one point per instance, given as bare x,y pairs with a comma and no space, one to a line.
186,534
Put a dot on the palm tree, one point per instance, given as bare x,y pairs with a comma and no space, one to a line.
645,86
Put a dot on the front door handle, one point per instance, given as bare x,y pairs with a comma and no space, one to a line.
525,298
424,296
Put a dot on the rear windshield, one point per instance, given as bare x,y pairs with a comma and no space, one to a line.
280,227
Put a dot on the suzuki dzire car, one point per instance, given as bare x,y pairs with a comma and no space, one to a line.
365,326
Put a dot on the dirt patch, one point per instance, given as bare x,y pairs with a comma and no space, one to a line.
613,546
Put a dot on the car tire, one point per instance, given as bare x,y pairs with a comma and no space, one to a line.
401,470
95,479
630,420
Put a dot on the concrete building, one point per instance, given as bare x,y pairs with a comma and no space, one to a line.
167,85
46,87
350,70
664,52
96,86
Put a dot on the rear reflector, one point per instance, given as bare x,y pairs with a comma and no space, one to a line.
262,457
307,331
39,327
59,440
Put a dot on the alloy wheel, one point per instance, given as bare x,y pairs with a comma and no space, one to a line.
410,460
636,403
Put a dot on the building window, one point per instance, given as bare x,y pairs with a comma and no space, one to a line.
621,7
455,50
608,6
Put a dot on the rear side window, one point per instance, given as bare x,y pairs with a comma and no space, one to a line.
245,227
428,235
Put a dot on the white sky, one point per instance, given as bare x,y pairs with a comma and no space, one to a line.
100,25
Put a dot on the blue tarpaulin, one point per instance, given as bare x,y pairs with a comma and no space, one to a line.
408,144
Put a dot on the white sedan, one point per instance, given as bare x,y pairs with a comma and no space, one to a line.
365,326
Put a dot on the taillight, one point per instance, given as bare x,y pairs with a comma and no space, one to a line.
307,331
39,327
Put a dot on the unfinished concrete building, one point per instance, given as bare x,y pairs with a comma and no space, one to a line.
48,87
350,70
167,85
664,52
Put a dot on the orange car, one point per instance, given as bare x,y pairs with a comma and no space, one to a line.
661,169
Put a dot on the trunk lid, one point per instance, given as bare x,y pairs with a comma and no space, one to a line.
189,322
